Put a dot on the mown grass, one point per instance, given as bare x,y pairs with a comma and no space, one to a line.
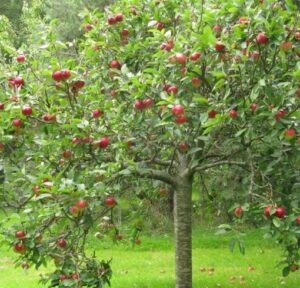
151,265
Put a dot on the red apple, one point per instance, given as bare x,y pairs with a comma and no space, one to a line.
137,241
19,247
220,47
66,74
290,133
181,119
2,146
2,106
253,106
74,211
21,58
18,82
78,84
280,212
280,114
75,276
97,113
26,110
172,89
233,113
160,25
255,55
238,212
103,142
183,147
180,58
62,243
298,220
57,76
138,104
183,70
81,204
177,110
125,32
111,201
119,17
297,35
286,45
262,38
88,26
294,267
217,28
267,211
166,46
196,81
111,20
115,64
147,103
212,113
63,277
195,56
20,234
17,122
67,154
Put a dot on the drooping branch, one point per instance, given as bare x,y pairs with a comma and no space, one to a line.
218,163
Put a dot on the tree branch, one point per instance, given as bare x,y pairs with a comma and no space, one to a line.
218,163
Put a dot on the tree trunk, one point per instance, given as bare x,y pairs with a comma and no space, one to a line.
183,232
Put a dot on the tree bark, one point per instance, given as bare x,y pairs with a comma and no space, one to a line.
183,231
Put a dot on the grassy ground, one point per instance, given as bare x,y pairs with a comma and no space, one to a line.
150,265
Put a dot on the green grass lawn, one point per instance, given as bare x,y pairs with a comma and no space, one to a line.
151,265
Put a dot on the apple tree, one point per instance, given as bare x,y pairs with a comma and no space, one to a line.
156,90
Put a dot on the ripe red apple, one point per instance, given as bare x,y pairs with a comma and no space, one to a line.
63,277
261,38
177,109
280,114
212,113
62,243
115,64
19,247
195,56
220,47
166,46
67,154
298,220
196,81
111,201
78,84
111,20
280,212
172,89
88,26
2,146
97,113
57,76
180,58
2,106
65,74
233,113
183,147
81,204
183,70
75,276
17,122
267,211
238,212
26,110
290,133
49,117
74,211
18,82
217,28
297,35
147,103
21,58
103,142
138,104
20,234
125,32
181,119
119,17
160,25
253,106
286,45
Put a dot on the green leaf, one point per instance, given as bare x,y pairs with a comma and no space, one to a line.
286,271
231,245
276,222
